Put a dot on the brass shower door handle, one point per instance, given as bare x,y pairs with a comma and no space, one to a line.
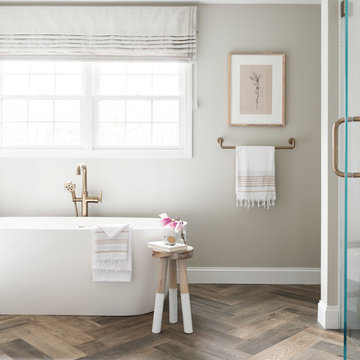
335,147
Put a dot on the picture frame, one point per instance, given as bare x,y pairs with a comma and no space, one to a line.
256,89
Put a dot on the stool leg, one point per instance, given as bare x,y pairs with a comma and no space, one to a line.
173,314
185,298
159,299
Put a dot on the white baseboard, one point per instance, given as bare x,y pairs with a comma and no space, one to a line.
328,316
253,275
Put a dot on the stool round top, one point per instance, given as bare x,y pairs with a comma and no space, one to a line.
181,254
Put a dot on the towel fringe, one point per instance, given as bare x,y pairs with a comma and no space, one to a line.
110,265
247,204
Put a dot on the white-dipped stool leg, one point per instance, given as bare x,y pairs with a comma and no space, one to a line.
186,312
173,311
159,298
158,313
185,297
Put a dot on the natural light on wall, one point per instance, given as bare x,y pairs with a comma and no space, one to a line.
108,105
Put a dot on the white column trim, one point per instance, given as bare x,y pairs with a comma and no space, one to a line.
328,316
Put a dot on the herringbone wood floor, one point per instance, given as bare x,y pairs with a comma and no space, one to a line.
230,322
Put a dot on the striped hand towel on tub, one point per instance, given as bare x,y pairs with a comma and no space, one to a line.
111,252
255,176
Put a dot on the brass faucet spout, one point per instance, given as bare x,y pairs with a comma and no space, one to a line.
81,169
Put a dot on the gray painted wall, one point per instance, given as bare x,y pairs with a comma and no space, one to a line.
201,189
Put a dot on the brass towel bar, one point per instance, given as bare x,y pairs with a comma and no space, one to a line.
291,141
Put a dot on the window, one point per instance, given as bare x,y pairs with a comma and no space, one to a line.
130,109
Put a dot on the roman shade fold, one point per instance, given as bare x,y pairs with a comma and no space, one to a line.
99,32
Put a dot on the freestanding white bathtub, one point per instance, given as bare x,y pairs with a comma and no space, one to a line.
45,268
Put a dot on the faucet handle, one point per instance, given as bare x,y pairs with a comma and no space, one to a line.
100,196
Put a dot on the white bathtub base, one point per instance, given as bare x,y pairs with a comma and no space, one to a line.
45,269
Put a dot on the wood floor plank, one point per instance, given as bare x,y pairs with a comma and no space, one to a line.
49,344
3,356
9,335
208,341
151,354
268,322
81,323
270,338
9,323
182,352
19,349
254,310
62,330
337,349
314,354
288,348
92,347
134,348
331,336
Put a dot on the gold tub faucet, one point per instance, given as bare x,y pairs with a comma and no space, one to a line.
85,199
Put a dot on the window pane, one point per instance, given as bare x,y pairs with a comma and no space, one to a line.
166,134
138,111
139,84
112,84
15,84
166,85
14,134
42,84
14,110
166,68
41,110
68,67
68,84
67,110
139,68
41,134
165,111
16,67
112,111
138,134
42,67
111,134
67,134
113,68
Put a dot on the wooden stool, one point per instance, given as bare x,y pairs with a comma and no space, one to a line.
171,258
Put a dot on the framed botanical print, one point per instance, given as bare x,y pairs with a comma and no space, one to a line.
256,89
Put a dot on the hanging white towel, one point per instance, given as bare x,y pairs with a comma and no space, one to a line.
111,252
255,176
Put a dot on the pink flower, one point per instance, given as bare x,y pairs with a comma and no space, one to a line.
165,221
173,224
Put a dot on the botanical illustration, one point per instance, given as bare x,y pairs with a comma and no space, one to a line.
255,78
255,89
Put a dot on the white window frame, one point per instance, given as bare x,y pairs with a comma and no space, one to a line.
87,148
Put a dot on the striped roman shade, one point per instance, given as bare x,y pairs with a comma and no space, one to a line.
99,32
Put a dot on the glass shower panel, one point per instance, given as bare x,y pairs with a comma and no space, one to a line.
349,186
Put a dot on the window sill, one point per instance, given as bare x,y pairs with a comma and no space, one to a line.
98,154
